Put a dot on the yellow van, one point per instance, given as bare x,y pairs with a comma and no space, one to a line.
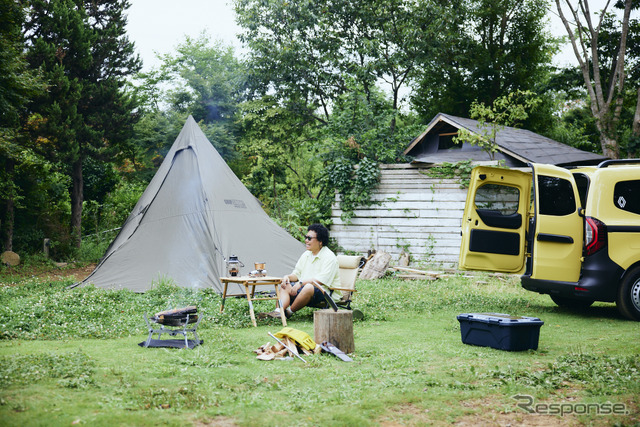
573,234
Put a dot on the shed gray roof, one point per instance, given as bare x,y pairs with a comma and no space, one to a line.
519,144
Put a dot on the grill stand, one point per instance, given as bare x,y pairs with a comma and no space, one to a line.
173,332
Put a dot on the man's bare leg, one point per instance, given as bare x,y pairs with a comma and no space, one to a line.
303,298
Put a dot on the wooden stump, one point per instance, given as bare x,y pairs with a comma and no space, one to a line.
335,327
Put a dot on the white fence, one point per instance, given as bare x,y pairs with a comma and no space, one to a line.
414,212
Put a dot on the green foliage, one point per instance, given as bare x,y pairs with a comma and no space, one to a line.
408,356
483,50
85,58
207,82
35,309
297,214
72,370
461,170
101,222
354,185
509,110
115,209
598,374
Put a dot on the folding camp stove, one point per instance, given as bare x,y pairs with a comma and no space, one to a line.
178,321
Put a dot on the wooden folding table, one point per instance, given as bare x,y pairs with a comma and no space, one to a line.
250,283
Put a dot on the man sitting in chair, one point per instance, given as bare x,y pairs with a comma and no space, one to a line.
317,267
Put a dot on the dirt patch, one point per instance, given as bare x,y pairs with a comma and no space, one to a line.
406,414
490,415
216,422
485,414
70,271
513,419
60,271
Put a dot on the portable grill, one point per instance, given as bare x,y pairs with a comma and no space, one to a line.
178,321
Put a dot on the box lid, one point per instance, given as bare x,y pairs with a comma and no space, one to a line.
500,319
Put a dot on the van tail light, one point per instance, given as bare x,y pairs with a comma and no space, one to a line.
595,235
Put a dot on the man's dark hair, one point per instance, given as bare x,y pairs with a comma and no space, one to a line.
322,234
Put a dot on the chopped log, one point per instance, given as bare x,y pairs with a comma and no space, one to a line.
404,259
335,327
376,267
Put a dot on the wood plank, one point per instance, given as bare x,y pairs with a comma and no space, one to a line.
416,271
416,222
415,277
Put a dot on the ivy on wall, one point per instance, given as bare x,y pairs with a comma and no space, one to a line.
354,181
460,170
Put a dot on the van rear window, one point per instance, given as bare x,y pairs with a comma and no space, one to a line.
555,196
626,196
502,199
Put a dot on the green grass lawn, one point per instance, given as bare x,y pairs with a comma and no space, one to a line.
71,357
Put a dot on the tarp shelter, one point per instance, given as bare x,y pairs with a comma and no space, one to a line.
194,214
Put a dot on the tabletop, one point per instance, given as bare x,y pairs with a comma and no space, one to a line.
252,279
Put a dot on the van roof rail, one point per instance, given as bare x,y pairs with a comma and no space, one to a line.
617,162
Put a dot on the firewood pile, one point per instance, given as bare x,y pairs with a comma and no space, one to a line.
176,316
279,351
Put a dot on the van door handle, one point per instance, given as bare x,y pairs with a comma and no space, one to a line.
556,238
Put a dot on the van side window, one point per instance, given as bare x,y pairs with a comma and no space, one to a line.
556,196
626,196
501,199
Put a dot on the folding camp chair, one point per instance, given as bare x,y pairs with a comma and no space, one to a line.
349,266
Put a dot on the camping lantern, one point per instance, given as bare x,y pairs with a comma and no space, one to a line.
233,266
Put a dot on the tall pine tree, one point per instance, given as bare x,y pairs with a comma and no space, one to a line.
85,56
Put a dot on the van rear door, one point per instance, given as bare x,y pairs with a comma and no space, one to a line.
495,220
557,226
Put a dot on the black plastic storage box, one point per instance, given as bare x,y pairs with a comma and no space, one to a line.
501,331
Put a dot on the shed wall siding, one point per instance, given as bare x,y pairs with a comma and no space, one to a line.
416,213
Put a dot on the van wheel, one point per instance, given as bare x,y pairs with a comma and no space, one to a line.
571,303
628,301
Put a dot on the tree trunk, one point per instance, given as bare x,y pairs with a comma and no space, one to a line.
7,242
605,107
636,118
610,147
7,224
77,198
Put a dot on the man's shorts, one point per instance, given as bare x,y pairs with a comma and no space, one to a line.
318,297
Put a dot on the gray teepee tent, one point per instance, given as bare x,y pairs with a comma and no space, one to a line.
194,214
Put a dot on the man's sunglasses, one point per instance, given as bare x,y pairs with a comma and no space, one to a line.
309,238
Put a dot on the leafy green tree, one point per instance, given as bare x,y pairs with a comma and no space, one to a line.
276,142
85,57
487,49
604,64
205,79
306,53
509,110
